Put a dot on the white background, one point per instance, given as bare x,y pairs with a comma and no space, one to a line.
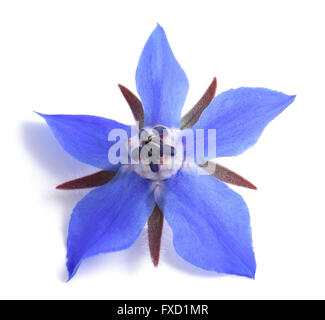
68,56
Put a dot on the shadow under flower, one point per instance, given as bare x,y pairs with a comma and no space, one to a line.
55,162
128,261
42,146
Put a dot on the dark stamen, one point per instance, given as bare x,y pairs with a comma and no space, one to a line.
153,147
162,131
172,151
167,150
154,167
161,149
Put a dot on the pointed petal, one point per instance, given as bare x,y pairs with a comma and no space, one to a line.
191,117
226,175
155,226
239,117
135,105
210,222
161,82
93,180
109,218
85,137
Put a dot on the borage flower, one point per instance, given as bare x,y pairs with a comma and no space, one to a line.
210,222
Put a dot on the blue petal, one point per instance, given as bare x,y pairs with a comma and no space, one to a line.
85,137
240,116
109,218
210,223
161,82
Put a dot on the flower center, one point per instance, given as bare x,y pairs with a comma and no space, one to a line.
156,154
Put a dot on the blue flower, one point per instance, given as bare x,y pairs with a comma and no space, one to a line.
210,222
